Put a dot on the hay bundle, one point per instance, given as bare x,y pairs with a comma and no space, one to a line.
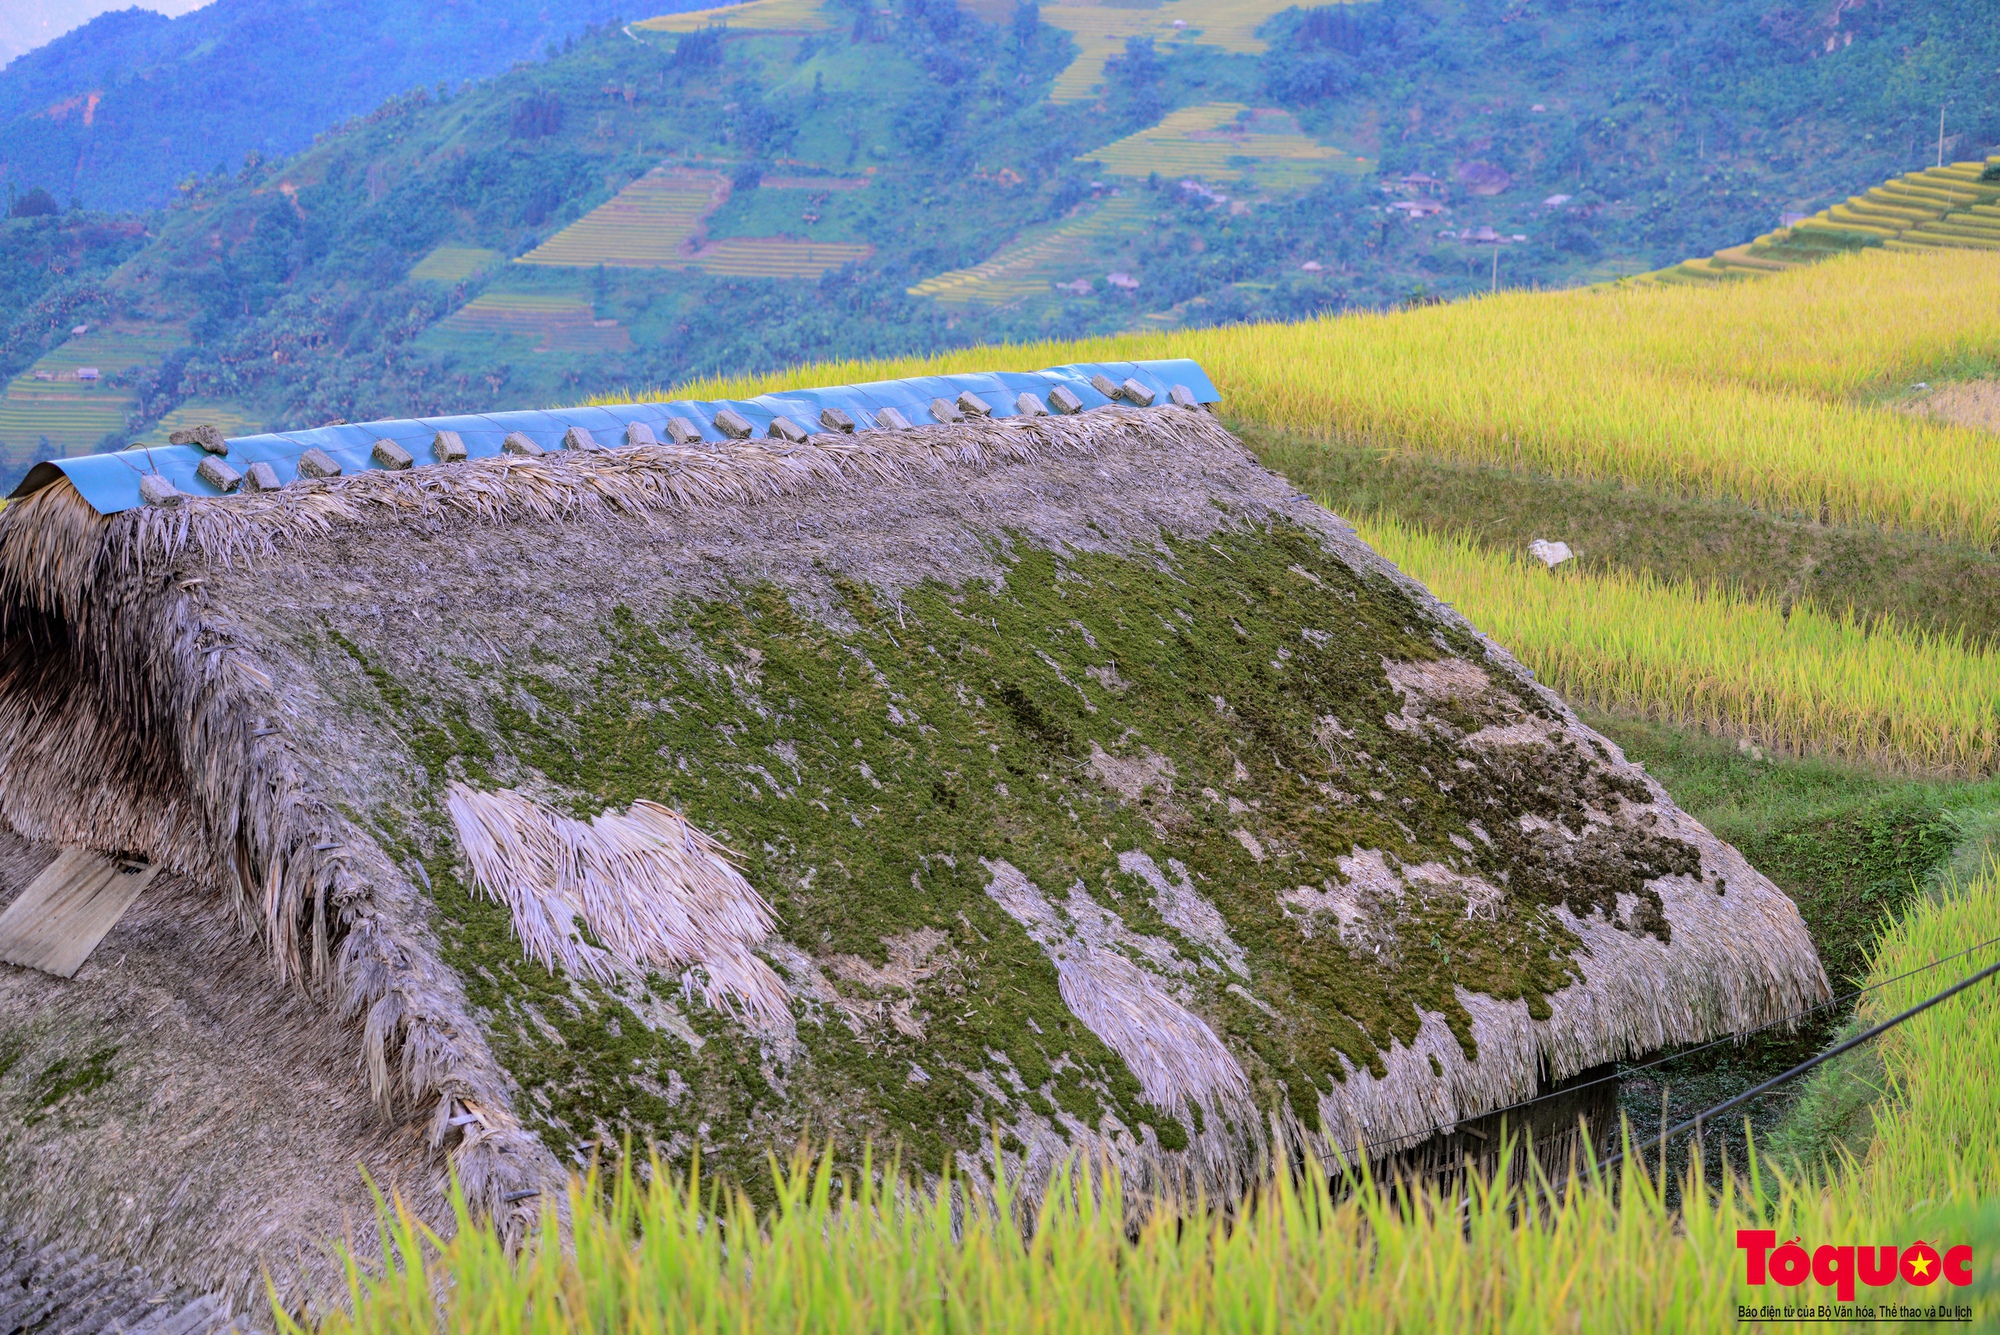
1087,785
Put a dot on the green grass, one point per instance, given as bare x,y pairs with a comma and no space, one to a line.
835,1253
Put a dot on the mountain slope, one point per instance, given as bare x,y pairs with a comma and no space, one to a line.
115,112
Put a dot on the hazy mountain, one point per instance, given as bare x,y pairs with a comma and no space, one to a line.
115,112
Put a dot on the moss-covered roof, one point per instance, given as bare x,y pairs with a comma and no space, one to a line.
1083,786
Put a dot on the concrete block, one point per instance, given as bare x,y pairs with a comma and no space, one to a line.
218,474
517,442
784,428
156,490
449,447
683,432
946,411
1064,400
1184,397
316,462
1029,406
1135,392
1105,385
833,419
260,476
638,433
733,424
973,405
891,420
579,438
391,455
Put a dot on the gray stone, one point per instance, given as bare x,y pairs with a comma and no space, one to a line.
784,428
156,490
579,438
833,419
1064,400
1137,393
449,447
1029,406
1104,385
391,455
638,433
733,424
316,462
204,435
518,443
891,420
218,474
946,411
683,432
1184,397
260,476
973,404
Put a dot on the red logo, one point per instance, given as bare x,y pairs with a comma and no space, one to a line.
1764,1261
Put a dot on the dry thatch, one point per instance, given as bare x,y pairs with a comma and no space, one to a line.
193,684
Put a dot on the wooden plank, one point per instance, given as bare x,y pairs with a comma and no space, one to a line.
59,919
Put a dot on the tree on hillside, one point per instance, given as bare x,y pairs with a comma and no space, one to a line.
37,203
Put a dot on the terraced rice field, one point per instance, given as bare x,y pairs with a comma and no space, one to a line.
762,15
644,226
777,257
559,322
1101,31
73,415
232,419
1028,266
1939,208
454,264
1202,141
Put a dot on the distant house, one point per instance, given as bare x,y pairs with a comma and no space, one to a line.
1556,201
1081,287
86,373
1312,266
1122,280
1417,208
1421,182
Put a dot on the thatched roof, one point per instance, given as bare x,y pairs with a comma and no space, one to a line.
1066,775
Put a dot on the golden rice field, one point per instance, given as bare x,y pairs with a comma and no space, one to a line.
232,419
1803,680
776,257
1750,391
764,15
835,1256
1027,266
1100,32
75,414
646,225
653,224
559,321
454,264
1202,140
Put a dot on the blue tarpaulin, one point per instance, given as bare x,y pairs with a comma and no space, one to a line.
110,482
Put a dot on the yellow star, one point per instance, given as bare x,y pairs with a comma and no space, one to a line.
1921,1266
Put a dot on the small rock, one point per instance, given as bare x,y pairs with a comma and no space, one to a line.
1550,554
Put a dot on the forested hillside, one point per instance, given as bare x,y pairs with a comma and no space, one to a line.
118,111
785,180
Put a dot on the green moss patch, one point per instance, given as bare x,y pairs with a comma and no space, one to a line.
1225,705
